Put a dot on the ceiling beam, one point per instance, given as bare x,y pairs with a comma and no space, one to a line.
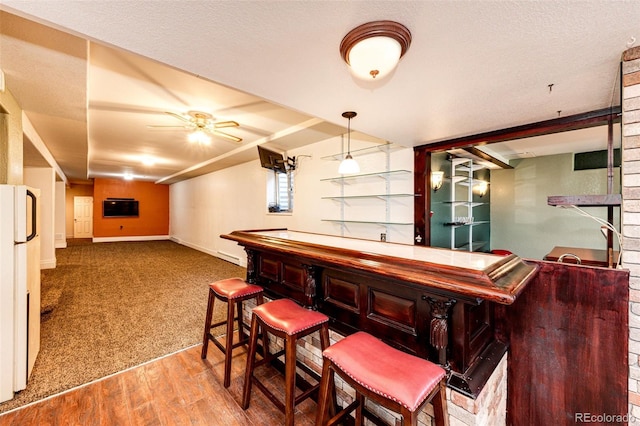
564,124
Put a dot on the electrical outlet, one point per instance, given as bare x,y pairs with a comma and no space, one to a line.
383,237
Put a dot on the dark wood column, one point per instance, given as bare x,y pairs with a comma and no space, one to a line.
251,265
422,189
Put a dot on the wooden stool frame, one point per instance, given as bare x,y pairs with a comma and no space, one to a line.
227,349
289,351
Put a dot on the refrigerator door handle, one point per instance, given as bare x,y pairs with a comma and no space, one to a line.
34,215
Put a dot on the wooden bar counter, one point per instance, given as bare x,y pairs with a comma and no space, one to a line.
435,303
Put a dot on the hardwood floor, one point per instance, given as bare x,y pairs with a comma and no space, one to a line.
180,389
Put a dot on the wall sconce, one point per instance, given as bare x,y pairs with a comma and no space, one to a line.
373,50
436,180
481,188
349,165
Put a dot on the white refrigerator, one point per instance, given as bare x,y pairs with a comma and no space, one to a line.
19,286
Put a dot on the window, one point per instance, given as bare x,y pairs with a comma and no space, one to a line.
280,191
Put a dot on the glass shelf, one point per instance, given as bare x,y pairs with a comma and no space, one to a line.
464,203
476,245
473,182
388,147
378,174
459,224
382,196
374,222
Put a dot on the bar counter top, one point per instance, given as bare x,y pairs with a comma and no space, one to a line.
468,274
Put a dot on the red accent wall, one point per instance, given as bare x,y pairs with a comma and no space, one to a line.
153,210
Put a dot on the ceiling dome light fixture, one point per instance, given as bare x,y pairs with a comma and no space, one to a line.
373,50
349,165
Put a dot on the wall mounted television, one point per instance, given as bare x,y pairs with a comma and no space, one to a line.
272,160
120,207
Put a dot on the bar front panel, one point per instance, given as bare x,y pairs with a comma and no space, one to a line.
428,310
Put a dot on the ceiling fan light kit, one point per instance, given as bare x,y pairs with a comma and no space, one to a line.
199,137
373,50
202,124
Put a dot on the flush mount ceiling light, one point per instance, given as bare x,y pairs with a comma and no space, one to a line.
349,165
373,50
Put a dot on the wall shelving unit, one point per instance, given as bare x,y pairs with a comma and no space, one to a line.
463,221
383,195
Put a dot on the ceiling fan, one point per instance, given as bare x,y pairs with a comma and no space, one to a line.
201,124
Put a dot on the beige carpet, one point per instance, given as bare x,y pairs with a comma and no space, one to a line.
111,306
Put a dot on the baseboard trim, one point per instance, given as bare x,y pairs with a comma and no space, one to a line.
219,254
195,247
132,238
48,264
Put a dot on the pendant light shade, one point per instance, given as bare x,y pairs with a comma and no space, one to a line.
349,165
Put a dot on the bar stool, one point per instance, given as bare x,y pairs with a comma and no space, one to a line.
233,291
394,379
288,320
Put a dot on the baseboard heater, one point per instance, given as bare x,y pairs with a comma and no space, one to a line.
235,259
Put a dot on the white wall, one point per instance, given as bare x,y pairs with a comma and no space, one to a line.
44,179
521,220
202,208
60,240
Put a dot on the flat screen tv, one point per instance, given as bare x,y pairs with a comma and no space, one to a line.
272,160
120,207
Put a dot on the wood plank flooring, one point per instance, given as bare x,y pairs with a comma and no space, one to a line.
180,389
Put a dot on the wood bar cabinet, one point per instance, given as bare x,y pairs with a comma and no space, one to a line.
435,303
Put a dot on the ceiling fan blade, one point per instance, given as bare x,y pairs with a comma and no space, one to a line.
227,136
223,124
171,127
178,116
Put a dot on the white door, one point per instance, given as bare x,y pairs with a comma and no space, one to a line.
82,217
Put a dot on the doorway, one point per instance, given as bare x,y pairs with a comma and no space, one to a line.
82,217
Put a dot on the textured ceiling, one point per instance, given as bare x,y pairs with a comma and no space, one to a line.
472,66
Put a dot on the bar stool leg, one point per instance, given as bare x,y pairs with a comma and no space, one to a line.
207,324
240,321
326,386
290,379
229,344
251,354
359,409
440,406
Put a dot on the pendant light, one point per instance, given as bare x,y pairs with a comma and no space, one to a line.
349,165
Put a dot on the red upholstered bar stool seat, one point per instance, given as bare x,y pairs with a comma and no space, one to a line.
395,380
233,291
288,320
